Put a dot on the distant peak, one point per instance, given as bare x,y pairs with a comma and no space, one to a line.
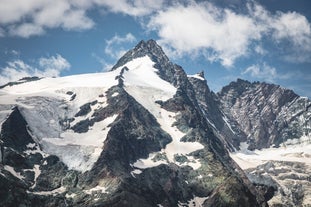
147,44
143,48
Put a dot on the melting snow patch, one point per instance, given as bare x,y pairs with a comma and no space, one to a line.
96,189
149,162
136,172
37,172
292,153
195,202
115,94
13,172
33,148
71,195
52,192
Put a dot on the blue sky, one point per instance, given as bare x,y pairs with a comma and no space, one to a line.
257,40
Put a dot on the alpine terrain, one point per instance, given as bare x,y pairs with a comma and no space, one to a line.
147,134
277,150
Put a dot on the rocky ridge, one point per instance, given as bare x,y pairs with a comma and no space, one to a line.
119,141
269,114
276,152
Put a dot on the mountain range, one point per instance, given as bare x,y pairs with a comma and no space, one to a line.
147,134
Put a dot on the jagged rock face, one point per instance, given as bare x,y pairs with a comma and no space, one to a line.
20,166
121,141
277,119
227,129
267,113
285,183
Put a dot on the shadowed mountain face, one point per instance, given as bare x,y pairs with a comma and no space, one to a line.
143,134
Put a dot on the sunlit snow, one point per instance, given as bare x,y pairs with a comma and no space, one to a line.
49,103
147,87
293,153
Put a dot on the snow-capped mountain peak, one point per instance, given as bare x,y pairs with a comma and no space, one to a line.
143,134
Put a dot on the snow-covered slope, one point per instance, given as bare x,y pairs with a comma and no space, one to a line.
133,136
285,170
49,106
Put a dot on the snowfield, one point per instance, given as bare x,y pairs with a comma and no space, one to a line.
50,104
294,153
287,167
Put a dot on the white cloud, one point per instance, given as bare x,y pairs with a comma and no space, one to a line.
183,27
114,45
46,67
206,27
33,17
290,28
53,66
264,72
26,30
296,29
224,35
132,7
260,50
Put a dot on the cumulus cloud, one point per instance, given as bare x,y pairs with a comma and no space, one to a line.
114,45
266,72
44,67
114,49
263,71
33,17
26,30
205,27
53,66
131,7
221,34
224,35
290,28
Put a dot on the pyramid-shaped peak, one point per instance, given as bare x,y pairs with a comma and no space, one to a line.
143,48
147,44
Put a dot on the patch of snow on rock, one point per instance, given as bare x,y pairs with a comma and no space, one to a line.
13,172
79,151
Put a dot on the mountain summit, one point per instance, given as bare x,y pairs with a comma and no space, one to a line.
143,134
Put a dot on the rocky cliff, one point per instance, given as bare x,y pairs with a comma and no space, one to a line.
269,114
276,153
